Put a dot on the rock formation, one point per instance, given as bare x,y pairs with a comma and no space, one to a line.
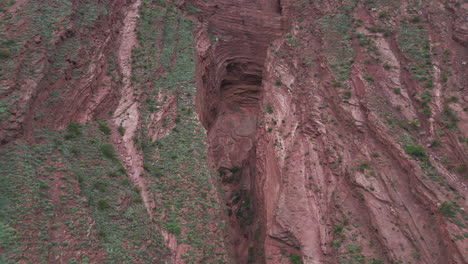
241,131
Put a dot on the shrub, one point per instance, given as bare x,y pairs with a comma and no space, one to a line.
100,186
449,117
363,167
268,108
122,170
251,255
75,150
387,66
43,184
461,168
425,96
104,128
121,130
108,151
368,78
173,228
396,91
295,258
383,15
4,55
102,234
434,143
426,111
73,130
338,229
448,209
452,99
102,205
292,40
347,95
414,123
335,243
415,150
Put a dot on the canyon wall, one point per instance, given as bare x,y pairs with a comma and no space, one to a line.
331,125
260,131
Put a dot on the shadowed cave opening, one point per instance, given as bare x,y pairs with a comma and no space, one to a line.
240,87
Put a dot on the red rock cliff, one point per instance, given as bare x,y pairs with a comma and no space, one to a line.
336,131
329,125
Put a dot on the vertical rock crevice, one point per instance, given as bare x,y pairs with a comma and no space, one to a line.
231,49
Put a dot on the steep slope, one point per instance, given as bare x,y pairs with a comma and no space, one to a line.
346,142
90,91
260,131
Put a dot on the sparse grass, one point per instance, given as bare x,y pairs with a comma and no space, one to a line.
89,198
346,95
401,129
192,9
354,248
268,108
369,78
461,168
292,40
339,51
449,118
425,98
179,173
414,43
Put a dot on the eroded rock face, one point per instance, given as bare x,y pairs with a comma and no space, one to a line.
337,129
305,105
60,73
232,47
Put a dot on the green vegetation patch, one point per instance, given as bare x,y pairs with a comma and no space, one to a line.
176,164
449,209
66,185
295,258
415,150
339,51
414,43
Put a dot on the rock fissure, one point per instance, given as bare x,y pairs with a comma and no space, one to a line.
230,76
